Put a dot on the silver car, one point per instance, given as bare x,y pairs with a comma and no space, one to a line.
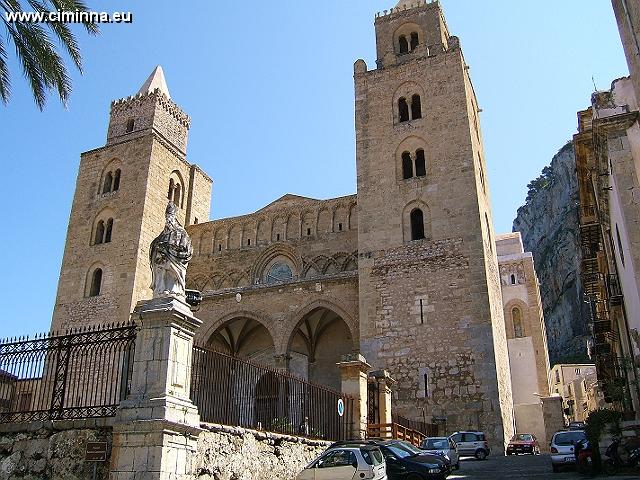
563,447
347,461
443,446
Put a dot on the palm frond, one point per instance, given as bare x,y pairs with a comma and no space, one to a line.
5,80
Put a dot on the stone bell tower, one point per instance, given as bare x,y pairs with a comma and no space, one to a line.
430,299
118,207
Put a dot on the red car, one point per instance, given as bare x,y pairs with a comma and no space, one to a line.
523,443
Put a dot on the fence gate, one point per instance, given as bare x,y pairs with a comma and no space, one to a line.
233,391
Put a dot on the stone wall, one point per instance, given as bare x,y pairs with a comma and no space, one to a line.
56,450
226,453
52,450
549,226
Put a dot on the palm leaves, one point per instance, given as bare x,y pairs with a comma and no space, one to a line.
42,65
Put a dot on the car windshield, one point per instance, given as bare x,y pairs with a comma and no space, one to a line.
523,437
409,447
568,438
398,451
436,444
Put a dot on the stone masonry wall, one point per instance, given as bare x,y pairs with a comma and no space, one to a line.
228,453
52,450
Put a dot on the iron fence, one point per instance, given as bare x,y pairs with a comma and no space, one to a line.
81,374
232,391
427,429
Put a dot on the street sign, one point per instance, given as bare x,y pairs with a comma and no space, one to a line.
96,452
340,407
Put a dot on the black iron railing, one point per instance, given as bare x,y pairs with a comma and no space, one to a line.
427,429
232,391
81,374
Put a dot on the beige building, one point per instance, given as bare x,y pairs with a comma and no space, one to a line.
574,382
608,167
526,336
404,273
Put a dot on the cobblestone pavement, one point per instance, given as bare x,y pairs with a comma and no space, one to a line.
518,467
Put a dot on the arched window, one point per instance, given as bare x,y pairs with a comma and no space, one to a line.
108,230
96,283
421,167
403,109
414,40
108,181
416,107
516,316
116,180
177,195
171,187
407,166
130,125
99,237
417,224
513,279
404,45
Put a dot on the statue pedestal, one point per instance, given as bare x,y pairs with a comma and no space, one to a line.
157,426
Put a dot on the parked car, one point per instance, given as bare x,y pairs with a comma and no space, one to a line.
471,443
576,425
405,461
563,446
354,460
523,443
443,446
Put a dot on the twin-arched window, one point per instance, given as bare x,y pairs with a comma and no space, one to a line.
408,112
409,44
103,231
176,192
413,166
111,182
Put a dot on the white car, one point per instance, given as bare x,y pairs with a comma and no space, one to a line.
563,447
443,446
347,461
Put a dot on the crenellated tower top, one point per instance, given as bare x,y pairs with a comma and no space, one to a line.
150,110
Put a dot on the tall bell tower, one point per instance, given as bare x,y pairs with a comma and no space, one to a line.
430,299
122,190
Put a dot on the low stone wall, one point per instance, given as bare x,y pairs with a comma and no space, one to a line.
52,450
232,453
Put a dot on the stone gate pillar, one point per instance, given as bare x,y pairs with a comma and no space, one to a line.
157,426
385,383
353,370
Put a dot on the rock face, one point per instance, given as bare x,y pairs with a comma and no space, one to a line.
46,453
549,224
228,453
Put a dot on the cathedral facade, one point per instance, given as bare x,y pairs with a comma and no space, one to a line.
405,272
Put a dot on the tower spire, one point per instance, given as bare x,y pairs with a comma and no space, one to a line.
155,80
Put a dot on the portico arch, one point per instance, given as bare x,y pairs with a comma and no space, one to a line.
243,334
321,336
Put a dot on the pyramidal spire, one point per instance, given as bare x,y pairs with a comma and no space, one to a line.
155,80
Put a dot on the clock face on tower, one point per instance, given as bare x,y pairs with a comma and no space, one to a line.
279,272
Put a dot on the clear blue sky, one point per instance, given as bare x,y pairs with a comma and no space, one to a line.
270,91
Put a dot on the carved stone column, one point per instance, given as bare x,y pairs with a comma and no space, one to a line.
385,383
353,369
157,426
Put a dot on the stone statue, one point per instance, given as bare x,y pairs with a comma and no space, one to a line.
169,255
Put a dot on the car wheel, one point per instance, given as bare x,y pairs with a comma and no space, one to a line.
508,453
481,454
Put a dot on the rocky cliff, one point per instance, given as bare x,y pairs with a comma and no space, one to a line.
550,230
